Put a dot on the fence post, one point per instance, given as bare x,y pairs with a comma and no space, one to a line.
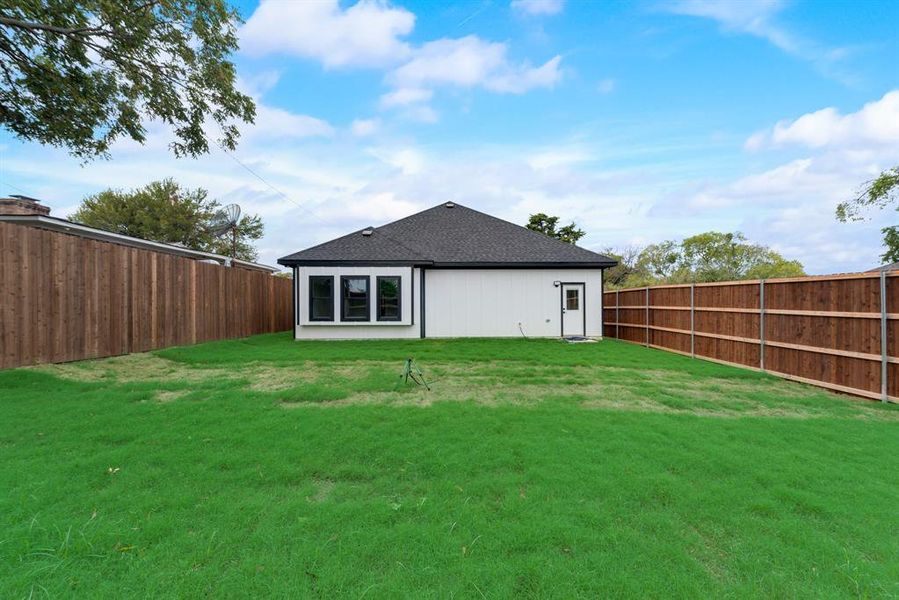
647,317
883,336
692,322
617,318
762,324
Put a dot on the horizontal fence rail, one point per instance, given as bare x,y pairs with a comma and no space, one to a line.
64,298
837,332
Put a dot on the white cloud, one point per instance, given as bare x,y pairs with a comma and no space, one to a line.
757,18
470,61
561,156
421,114
409,160
464,62
405,96
875,124
259,83
276,123
379,208
271,123
365,127
757,140
750,16
517,80
369,34
538,7
365,34
606,86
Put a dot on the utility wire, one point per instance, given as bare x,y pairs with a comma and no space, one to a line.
272,187
15,187
289,199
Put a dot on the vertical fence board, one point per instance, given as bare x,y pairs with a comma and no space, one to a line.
63,298
7,287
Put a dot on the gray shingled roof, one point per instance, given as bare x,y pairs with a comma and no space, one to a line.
449,235
890,267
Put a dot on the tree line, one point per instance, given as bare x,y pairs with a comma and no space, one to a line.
709,256
706,257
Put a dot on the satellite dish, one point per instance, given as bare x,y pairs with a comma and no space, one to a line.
225,221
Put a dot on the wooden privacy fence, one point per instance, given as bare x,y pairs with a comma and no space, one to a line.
64,297
839,332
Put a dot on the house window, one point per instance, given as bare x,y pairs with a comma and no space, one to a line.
321,298
572,299
389,299
354,298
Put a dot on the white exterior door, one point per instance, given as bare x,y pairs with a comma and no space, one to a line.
572,309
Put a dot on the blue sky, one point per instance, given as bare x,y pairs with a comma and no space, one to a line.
641,121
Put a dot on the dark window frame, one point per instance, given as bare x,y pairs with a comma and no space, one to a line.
343,299
576,297
312,317
399,298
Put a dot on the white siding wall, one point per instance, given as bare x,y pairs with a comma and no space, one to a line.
408,327
492,302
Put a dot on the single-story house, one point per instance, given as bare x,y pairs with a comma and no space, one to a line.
448,271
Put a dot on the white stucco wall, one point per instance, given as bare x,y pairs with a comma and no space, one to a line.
407,327
492,302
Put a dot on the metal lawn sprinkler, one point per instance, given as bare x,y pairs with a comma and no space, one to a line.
411,371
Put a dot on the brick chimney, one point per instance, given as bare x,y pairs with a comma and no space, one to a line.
22,205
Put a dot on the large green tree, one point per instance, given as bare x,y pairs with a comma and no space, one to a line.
547,225
878,194
709,256
658,262
626,267
80,74
715,256
163,211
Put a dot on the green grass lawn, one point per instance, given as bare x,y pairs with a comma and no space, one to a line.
266,467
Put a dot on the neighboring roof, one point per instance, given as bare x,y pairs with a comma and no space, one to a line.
449,235
26,198
65,226
890,267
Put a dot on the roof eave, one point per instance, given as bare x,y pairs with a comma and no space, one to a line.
306,262
525,265
295,262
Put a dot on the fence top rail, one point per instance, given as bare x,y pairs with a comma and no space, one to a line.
688,285
866,275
